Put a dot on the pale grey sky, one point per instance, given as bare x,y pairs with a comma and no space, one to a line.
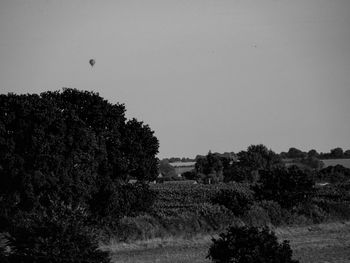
204,74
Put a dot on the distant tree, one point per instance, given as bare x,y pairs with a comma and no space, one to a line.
295,153
313,153
347,153
174,159
249,163
190,175
237,173
259,157
238,200
185,159
287,186
210,167
337,153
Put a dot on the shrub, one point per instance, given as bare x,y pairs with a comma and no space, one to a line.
313,212
274,211
256,216
235,200
339,210
215,217
59,238
249,245
141,227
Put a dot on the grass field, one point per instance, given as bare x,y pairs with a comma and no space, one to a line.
311,244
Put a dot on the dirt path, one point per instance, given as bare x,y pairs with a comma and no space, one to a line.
319,243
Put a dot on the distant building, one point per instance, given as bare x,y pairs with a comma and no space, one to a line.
182,167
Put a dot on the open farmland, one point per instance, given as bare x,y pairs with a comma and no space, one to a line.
311,244
334,162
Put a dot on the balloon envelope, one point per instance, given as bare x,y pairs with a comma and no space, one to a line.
92,62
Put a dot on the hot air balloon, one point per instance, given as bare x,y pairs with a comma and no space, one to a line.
92,62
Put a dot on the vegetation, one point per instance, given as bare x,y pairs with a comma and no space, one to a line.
287,186
236,201
336,153
61,237
75,151
249,245
334,174
67,159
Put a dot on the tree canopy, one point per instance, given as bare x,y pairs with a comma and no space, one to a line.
287,186
67,145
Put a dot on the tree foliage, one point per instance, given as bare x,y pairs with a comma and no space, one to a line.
66,145
249,245
210,168
58,237
256,157
287,186
234,199
259,157
75,149
295,153
334,174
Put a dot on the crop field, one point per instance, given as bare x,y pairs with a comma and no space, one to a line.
333,162
311,244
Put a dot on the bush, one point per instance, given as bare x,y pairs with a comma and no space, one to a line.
256,216
334,174
249,245
233,199
141,227
56,239
214,217
338,210
313,212
274,211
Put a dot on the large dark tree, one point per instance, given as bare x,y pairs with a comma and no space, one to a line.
66,146
295,153
287,186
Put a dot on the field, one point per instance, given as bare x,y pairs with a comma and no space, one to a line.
333,162
311,244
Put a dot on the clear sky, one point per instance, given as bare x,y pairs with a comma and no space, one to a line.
206,75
